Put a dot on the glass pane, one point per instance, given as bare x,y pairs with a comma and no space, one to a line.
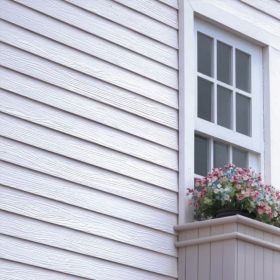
224,72
243,114
201,156
239,157
204,54
224,107
204,99
243,71
220,154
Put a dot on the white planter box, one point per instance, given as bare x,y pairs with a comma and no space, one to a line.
231,248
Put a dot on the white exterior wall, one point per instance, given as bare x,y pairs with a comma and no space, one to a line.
89,100
89,125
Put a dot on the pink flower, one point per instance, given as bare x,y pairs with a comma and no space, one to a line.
237,186
260,210
197,182
240,196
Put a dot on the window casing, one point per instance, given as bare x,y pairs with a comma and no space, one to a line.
229,100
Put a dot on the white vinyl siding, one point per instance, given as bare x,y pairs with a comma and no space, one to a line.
270,7
89,139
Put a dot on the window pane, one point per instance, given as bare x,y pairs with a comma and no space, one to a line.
243,71
243,114
204,54
201,155
204,99
224,107
239,157
224,72
220,154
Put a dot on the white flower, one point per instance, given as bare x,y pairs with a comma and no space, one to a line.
226,197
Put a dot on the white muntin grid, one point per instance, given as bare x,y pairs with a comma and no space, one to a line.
253,143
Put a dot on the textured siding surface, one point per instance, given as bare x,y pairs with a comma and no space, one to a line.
89,139
270,7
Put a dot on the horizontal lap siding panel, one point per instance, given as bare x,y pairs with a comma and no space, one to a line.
10,270
86,244
82,128
74,194
72,217
86,175
87,64
154,9
69,262
81,84
130,19
80,40
106,29
89,146
270,7
171,3
72,147
76,104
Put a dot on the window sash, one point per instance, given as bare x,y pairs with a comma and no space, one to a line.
255,142
253,159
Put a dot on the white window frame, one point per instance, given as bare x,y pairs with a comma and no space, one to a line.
253,144
240,19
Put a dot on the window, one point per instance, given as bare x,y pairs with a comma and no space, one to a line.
229,100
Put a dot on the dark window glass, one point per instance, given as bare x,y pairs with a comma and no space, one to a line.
243,114
243,71
224,63
224,107
239,157
201,155
204,99
204,54
220,154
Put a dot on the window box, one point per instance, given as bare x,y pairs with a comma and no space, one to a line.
230,248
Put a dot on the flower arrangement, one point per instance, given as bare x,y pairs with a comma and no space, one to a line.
232,187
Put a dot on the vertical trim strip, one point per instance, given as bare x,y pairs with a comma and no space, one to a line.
266,160
186,106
